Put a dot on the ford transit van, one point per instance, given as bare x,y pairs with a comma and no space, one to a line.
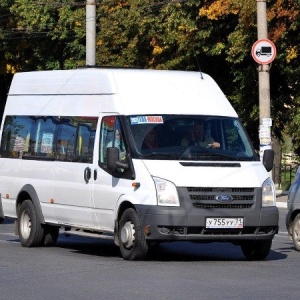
138,156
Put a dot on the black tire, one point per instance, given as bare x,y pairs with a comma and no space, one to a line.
31,232
256,250
296,232
50,235
1,220
133,245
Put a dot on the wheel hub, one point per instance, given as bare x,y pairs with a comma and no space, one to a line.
128,234
25,225
297,232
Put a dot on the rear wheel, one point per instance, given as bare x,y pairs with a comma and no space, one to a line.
133,245
296,232
256,250
31,232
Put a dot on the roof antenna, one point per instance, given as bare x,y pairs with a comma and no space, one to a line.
199,67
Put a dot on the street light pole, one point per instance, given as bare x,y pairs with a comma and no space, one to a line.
90,32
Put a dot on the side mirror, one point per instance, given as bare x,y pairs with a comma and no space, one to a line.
268,159
112,154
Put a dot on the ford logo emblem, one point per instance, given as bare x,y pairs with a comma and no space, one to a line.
224,198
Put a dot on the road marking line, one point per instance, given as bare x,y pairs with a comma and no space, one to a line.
7,233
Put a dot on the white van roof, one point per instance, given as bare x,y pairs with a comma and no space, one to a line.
132,91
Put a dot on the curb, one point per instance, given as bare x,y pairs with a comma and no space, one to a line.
280,193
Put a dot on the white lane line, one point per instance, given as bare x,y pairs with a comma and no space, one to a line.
7,233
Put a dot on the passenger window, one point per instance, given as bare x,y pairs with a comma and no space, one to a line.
75,139
64,139
16,136
42,137
86,139
112,136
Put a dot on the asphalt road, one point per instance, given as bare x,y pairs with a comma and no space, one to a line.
85,268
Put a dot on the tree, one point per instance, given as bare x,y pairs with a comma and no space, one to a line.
282,23
214,36
43,34
40,35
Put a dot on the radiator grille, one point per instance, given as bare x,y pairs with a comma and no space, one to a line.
207,198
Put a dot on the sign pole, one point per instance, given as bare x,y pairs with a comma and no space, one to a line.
263,78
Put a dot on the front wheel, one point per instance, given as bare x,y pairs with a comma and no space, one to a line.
31,232
296,232
133,245
256,250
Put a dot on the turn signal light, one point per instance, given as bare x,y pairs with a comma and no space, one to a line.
136,185
147,230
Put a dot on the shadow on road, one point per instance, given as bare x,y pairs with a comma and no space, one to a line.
176,251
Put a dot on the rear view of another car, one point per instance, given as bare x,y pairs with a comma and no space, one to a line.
293,211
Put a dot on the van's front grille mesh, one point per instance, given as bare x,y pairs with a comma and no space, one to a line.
231,198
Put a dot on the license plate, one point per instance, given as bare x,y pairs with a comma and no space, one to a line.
224,222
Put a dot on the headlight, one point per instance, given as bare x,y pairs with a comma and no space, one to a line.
166,192
268,193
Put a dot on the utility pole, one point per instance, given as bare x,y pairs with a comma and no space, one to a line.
263,69
90,32
264,52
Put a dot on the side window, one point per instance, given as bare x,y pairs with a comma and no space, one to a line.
64,139
75,139
111,136
86,140
42,137
15,140
106,136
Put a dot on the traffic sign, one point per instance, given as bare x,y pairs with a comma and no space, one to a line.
263,51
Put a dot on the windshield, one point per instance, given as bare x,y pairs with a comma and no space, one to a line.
182,137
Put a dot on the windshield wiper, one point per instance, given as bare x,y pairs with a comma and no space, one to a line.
161,155
221,156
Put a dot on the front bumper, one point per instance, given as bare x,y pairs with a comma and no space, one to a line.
188,222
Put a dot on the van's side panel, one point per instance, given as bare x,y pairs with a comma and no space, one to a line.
59,105
39,105
16,173
72,194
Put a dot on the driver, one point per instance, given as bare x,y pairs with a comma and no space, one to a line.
197,137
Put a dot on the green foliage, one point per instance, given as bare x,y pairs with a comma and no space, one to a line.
43,34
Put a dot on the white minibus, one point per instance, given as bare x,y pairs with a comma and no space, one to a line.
138,156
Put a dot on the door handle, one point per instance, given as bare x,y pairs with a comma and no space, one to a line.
87,174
